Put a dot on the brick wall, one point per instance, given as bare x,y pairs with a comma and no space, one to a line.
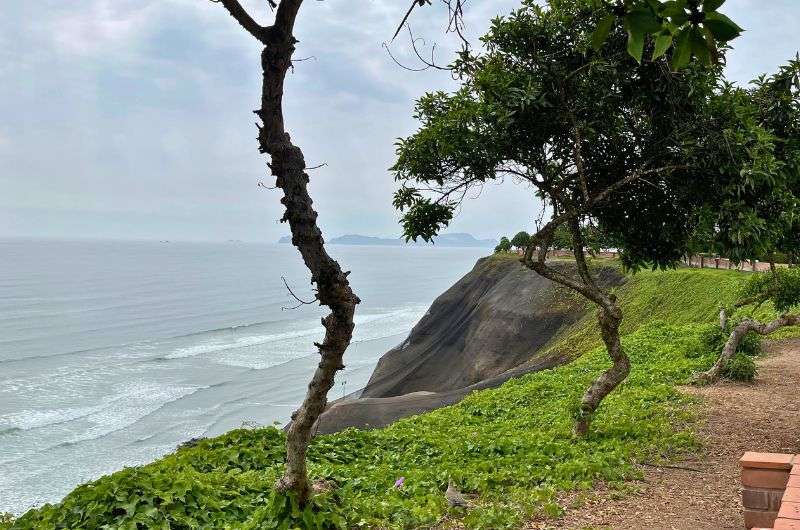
771,491
724,263
694,262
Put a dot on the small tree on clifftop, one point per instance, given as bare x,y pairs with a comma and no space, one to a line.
521,240
782,289
504,245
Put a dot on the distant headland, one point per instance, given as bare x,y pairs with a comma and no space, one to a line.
442,240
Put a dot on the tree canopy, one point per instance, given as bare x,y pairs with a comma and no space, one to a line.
692,28
504,245
758,213
521,240
591,131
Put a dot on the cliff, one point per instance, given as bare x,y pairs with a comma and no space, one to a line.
487,328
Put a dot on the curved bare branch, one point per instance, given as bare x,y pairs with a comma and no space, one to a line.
244,19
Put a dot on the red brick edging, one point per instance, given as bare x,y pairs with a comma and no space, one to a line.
771,491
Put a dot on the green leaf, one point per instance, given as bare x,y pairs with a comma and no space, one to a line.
699,46
663,42
642,21
673,8
680,19
682,50
712,5
711,44
600,34
636,45
722,27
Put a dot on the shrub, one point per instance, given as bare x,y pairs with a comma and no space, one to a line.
713,339
750,344
741,368
783,288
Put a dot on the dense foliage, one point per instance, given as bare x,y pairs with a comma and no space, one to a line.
758,214
781,287
511,446
541,105
777,98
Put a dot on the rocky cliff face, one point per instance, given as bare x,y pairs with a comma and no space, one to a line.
485,329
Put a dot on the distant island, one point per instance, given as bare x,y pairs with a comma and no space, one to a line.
442,240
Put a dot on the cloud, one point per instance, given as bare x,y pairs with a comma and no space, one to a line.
144,107
105,26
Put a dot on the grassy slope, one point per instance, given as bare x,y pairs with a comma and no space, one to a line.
512,446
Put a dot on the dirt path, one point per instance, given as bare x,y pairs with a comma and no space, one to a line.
763,416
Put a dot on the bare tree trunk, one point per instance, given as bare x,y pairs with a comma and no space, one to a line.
738,333
333,289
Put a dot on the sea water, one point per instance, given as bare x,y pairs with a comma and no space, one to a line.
113,353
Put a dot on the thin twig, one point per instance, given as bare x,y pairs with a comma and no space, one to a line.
301,302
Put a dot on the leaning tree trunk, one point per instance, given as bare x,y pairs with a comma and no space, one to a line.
609,317
333,290
736,336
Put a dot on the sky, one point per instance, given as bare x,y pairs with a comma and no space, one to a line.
132,119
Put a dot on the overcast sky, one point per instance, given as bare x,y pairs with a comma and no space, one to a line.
133,118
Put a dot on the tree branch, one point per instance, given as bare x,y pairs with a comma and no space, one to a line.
636,175
736,336
578,245
579,157
244,19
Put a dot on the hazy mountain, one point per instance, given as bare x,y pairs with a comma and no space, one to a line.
443,240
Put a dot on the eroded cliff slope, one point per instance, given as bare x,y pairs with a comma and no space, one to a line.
490,326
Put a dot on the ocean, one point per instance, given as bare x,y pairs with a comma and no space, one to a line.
113,353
